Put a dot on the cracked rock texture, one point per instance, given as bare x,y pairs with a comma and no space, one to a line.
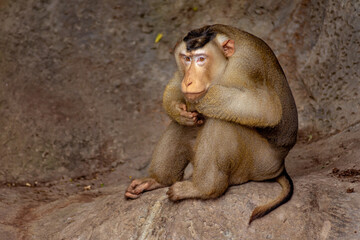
81,84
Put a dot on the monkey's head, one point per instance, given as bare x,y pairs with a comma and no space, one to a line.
202,58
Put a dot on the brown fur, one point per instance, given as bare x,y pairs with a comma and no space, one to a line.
250,126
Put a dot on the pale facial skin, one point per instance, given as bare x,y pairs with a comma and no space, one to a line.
196,80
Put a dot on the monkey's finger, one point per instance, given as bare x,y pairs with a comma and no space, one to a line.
189,122
194,114
186,114
182,106
192,120
199,122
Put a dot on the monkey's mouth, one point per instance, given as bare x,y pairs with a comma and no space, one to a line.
194,96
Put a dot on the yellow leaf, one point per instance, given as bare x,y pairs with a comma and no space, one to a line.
158,37
195,9
310,137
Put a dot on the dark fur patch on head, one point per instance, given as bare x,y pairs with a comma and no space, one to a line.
198,38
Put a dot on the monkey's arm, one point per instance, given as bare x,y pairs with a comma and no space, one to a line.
251,107
175,106
172,96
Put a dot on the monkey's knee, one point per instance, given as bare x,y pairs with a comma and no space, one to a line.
171,156
168,167
166,177
210,183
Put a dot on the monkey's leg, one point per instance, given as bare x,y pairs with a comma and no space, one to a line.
213,162
171,156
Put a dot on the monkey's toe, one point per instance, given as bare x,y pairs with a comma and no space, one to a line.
129,195
141,187
172,194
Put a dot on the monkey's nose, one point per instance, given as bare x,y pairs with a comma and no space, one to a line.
188,82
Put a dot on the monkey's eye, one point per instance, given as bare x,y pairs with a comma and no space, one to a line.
187,59
200,60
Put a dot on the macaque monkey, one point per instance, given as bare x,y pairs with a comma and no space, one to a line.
231,96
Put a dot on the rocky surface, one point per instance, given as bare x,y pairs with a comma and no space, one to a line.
325,206
80,112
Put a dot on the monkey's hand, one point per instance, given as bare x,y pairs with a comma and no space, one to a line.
188,118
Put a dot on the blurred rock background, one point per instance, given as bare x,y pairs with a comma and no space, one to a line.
81,87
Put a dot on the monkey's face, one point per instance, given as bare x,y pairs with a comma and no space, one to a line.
200,67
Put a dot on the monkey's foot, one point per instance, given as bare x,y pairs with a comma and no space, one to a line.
139,186
183,190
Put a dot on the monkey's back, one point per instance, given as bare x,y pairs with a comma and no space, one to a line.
262,65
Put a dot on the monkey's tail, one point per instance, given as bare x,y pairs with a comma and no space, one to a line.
287,191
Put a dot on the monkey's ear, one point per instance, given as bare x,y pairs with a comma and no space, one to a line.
228,47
